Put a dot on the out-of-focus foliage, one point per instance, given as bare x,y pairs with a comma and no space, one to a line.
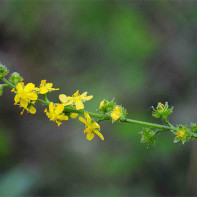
137,52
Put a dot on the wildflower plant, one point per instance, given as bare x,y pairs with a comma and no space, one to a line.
27,95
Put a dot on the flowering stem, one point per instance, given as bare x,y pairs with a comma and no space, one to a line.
107,117
101,117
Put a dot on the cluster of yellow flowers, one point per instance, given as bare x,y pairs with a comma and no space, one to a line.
27,95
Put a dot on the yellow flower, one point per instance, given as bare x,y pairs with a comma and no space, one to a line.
101,104
55,113
91,127
75,99
25,96
115,115
45,87
160,107
180,134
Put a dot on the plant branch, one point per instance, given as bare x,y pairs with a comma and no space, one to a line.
102,117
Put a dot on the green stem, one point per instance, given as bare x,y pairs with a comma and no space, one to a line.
45,98
42,101
7,82
147,124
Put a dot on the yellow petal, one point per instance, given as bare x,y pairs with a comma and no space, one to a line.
51,107
62,117
49,85
82,120
23,103
43,90
84,94
95,125
68,103
115,116
89,120
73,115
32,109
32,96
101,104
79,105
19,87
17,98
29,87
63,98
59,109
87,98
99,134
90,136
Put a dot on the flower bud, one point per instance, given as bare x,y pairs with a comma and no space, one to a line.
182,134
162,111
3,70
15,78
148,136
106,106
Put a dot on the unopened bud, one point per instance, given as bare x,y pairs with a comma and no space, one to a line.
15,78
3,70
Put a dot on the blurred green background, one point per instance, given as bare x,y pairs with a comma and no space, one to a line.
138,52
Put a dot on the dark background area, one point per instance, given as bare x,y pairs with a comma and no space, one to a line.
138,52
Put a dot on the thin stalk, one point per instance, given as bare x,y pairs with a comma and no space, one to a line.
147,124
7,82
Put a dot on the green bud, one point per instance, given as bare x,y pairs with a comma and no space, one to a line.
182,134
162,111
148,136
3,70
106,106
15,78
1,88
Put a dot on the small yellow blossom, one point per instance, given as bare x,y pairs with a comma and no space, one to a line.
75,99
55,113
115,115
101,104
74,115
180,134
45,87
25,96
91,127
160,107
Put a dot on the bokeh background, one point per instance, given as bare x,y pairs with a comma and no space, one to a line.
138,52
